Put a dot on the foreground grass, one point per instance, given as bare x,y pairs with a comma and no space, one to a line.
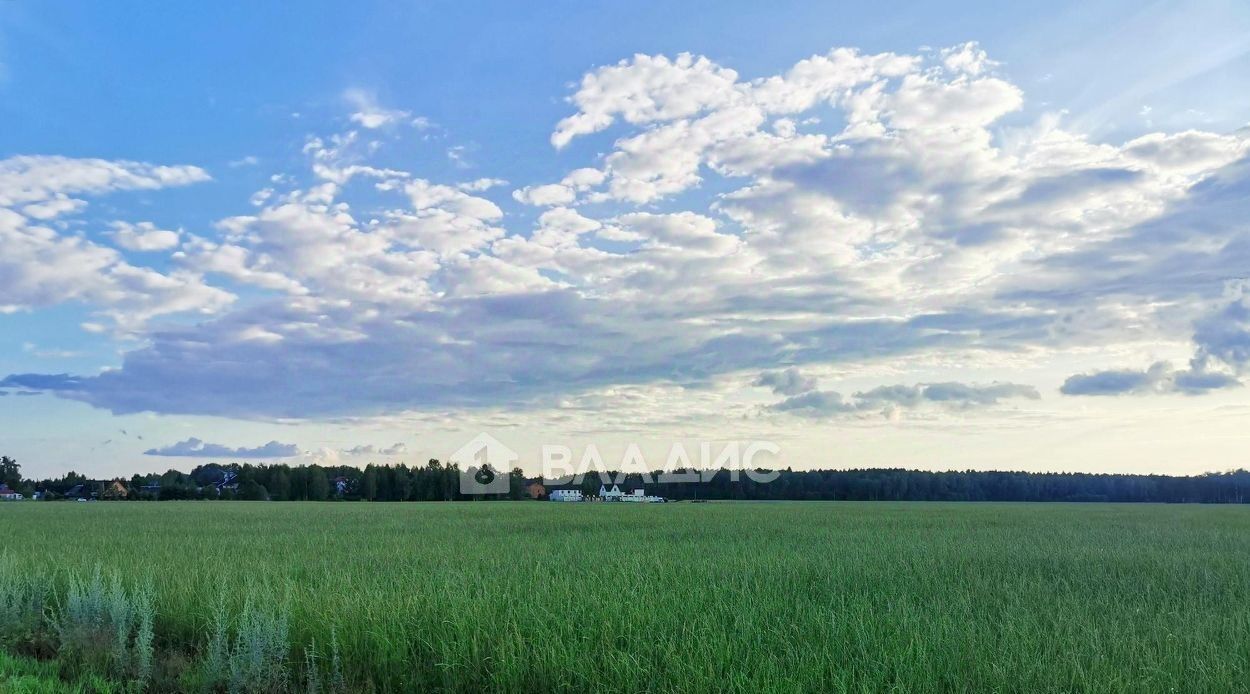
693,597
29,676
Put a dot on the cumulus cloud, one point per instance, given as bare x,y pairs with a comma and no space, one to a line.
787,382
819,403
31,179
195,448
1222,354
368,113
853,208
563,193
644,90
1160,377
395,449
42,265
144,236
481,184
1223,337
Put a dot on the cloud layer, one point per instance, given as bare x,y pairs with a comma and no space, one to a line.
195,448
852,208
889,400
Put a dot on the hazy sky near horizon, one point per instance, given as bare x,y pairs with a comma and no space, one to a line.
932,235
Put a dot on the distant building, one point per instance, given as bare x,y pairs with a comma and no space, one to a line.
613,494
115,490
638,496
565,495
7,494
341,485
79,491
229,481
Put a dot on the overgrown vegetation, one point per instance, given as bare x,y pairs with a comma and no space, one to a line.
604,597
23,602
100,626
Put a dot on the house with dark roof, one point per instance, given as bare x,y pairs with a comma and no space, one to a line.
115,490
81,491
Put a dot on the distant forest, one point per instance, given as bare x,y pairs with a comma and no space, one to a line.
436,481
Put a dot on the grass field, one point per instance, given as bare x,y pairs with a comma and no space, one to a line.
692,597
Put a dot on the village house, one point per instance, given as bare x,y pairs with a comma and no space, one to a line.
80,491
565,495
115,490
7,494
341,485
637,496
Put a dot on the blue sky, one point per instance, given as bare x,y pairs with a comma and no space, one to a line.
1014,226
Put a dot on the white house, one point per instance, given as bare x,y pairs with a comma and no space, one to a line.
565,495
7,494
637,496
613,494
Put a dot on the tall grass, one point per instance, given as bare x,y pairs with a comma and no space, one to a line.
101,626
710,597
23,602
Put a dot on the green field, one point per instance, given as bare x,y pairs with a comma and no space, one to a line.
691,597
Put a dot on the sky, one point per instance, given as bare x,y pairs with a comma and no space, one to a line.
891,234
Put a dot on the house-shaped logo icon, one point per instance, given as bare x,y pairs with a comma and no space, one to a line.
484,464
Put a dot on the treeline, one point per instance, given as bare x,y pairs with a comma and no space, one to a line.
437,481
248,482
916,485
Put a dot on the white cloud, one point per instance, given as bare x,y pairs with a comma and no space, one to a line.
857,211
32,179
563,193
144,236
644,90
481,184
1222,355
458,156
888,399
550,194
42,266
58,205
195,448
791,381
369,114
395,449
969,58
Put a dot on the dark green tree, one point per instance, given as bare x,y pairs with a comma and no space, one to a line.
369,484
251,490
10,472
279,485
318,484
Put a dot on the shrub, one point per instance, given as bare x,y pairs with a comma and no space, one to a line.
258,657
335,684
23,598
102,628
